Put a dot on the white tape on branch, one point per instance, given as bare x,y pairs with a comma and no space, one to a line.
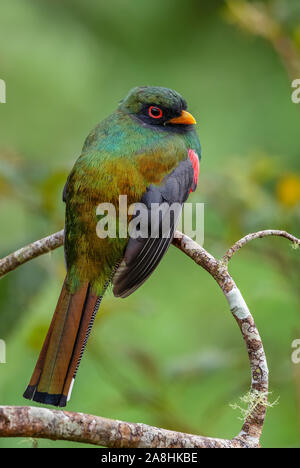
237,304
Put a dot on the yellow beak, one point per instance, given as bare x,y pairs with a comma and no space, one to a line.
185,118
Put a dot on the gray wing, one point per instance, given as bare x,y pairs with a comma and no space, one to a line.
161,212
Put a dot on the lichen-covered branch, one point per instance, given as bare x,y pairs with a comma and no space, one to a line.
253,425
52,424
259,235
29,421
37,248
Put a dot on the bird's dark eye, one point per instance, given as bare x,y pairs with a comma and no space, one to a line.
155,112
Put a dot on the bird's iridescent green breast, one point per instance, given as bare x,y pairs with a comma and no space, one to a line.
119,157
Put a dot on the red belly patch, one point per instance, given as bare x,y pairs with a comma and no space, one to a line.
196,166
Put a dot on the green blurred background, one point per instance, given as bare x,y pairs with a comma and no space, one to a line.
170,355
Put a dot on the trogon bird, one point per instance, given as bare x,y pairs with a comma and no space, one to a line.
147,149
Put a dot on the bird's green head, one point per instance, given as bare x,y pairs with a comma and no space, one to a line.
159,107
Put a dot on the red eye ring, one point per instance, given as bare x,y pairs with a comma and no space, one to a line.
155,112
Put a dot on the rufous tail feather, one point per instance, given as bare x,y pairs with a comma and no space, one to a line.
53,377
